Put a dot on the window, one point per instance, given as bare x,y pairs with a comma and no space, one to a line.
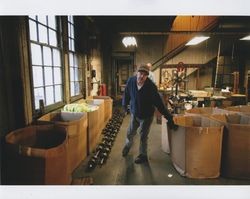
76,70
46,60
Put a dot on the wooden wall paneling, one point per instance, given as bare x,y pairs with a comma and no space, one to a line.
25,69
187,23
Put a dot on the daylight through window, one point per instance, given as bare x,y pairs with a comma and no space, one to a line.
46,60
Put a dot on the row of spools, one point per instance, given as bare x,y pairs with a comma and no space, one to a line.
103,149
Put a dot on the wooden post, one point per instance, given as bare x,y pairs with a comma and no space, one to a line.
236,82
198,79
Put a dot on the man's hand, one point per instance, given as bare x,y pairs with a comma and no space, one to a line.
125,111
170,123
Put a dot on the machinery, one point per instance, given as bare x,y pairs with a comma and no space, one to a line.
178,98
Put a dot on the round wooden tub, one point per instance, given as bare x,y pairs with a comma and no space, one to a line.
37,155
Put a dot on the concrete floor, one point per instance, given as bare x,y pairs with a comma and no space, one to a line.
159,170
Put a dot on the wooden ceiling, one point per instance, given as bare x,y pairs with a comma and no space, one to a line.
163,24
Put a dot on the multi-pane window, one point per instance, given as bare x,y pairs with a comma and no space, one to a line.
75,70
46,60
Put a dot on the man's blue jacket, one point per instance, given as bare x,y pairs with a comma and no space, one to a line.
143,102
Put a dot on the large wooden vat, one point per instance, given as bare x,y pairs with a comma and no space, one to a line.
101,114
37,155
108,106
93,128
76,126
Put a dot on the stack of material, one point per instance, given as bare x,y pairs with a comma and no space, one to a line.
196,146
37,156
236,145
76,126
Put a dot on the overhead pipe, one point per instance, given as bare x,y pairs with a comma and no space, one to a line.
238,24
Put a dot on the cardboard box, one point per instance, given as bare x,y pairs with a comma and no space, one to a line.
244,109
195,147
236,145
37,155
206,111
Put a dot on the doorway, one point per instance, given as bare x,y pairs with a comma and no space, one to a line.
123,67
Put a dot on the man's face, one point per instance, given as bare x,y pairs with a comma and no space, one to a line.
141,77
149,66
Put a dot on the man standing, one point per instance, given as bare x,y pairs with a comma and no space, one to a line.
151,74
142,96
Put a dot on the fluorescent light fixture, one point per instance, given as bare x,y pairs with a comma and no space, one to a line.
196,40
246,38
129,41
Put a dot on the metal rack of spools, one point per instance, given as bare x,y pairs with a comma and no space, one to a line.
103,149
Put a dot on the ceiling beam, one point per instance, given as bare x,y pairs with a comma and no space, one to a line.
185,32
184,65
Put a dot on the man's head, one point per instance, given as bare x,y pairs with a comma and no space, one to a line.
149,65
142,74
